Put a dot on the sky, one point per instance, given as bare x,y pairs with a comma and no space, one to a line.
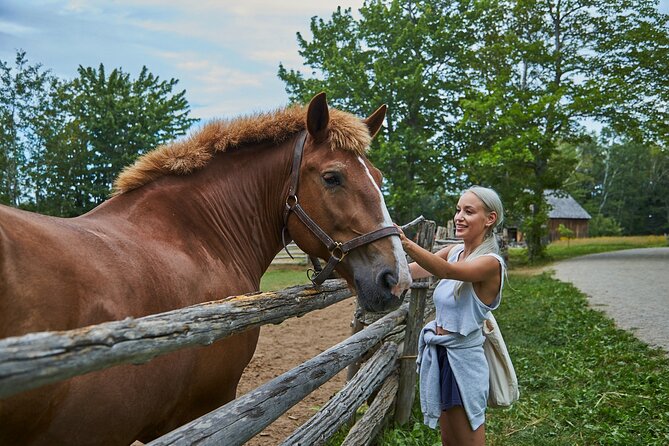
225,53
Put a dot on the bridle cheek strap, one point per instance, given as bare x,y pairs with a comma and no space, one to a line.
337,250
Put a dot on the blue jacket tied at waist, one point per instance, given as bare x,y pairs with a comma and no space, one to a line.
465,355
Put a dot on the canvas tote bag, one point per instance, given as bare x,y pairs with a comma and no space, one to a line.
503,382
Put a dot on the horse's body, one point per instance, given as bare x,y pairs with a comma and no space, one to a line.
167,241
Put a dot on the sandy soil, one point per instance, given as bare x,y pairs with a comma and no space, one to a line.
283,347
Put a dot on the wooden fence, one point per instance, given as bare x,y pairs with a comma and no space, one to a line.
37,359
299,256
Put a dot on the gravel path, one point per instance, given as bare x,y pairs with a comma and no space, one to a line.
630,286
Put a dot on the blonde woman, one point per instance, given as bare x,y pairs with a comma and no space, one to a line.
452,367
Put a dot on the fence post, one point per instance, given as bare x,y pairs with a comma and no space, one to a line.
414,324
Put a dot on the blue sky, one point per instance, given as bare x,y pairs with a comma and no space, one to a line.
225,53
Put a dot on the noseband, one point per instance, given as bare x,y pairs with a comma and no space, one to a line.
337,250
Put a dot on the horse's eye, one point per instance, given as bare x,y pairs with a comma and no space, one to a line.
331,179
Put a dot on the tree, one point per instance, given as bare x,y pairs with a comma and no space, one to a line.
100,124
491,92
565,232
24,95
404,54
625,184
542,68
62,143
120,119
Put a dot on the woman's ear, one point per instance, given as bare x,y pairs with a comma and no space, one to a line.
491,219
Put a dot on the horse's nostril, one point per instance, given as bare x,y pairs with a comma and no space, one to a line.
387,279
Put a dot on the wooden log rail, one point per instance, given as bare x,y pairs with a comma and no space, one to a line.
241,419
319,428
36,359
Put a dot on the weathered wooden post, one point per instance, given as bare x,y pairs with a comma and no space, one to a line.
414,324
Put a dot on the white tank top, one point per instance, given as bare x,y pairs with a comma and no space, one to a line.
466,313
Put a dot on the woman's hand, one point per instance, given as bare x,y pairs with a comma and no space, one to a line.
403,238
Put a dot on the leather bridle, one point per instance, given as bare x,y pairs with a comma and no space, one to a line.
337,250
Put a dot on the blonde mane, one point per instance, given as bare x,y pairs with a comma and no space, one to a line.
346,132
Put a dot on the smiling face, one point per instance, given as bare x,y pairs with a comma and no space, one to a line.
472,219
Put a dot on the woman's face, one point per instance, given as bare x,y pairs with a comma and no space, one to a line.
471,218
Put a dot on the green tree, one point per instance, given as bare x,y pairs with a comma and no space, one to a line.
62,143
24,96
542,67
623,181
119,118
565,232
491,92
406,55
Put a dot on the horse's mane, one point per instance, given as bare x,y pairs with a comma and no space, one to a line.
347,132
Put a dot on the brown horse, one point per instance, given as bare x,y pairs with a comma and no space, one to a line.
196,220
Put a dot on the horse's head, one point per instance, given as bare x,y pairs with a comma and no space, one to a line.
339,189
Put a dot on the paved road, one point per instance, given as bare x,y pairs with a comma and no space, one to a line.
631,287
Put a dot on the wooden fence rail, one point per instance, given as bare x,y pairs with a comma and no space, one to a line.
37,359
342,407
241,419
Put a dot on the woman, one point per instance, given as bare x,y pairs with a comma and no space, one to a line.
453,368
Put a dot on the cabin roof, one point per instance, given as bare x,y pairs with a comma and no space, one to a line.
563,205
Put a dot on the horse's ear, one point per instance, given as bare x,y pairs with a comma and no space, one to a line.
318,117
375,120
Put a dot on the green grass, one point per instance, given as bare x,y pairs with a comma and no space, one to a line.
564,249
583,382
277,278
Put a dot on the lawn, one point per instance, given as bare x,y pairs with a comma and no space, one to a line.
564,249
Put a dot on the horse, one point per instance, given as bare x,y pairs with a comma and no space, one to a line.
194,220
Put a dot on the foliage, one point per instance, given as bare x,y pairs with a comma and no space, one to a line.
600,226
64,142
402,54
489,92
24,101
565,232
542,68
625,181
583,381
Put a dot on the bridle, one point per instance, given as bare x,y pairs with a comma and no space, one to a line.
337,250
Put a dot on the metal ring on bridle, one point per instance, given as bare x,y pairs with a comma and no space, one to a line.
288,199
338,250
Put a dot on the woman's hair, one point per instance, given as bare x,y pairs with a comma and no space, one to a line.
491,202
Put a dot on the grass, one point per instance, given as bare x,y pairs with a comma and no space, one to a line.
565,249
284,276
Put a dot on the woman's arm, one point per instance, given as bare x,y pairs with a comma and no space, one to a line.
417,271
480,269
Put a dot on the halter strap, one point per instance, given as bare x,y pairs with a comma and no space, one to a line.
337,250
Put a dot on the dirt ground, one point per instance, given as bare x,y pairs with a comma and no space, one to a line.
283,347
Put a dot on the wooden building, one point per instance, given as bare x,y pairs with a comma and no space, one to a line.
566,211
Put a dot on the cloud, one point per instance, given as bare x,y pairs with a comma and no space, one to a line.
15,29
225,53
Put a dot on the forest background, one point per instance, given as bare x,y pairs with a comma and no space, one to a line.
523,96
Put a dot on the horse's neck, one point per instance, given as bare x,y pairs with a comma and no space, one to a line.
232,208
